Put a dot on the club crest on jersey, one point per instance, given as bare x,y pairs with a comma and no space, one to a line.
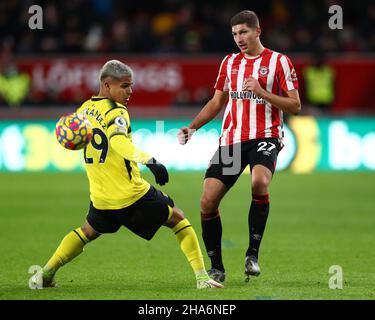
263,71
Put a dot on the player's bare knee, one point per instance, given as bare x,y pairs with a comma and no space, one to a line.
208,205
176,217
89,232
209,208
178,214
260,185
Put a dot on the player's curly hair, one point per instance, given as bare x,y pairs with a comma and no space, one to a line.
115,69
247,17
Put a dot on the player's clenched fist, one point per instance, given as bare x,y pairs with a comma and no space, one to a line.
252,84
184,134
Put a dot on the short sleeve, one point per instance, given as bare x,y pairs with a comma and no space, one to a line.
222,79
286,74
118,122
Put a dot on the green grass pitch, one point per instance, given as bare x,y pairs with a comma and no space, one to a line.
316,221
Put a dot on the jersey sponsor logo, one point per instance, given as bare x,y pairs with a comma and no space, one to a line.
234,71
263,71
246,95
121,122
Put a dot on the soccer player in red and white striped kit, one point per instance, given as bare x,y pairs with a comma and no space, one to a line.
257,85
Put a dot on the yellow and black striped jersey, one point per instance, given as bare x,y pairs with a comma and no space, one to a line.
111,158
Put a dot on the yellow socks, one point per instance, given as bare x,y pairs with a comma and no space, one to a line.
190,247
70,247
73,243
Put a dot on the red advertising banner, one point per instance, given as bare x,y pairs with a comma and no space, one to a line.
168,81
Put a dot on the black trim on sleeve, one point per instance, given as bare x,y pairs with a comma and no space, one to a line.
117,134
118,107
111,123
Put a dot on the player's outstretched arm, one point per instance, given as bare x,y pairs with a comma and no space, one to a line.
208,112
125,148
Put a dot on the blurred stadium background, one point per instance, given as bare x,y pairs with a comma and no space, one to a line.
175,48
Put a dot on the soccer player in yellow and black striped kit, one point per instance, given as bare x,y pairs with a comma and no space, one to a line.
119,196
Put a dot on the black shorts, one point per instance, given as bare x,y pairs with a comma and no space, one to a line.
144,217
229,162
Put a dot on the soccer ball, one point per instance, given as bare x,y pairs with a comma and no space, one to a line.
73,131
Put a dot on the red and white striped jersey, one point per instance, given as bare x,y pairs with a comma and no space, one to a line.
247,116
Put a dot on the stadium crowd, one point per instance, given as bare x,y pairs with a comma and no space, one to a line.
177,26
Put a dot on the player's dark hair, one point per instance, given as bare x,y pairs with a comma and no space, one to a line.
247,17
